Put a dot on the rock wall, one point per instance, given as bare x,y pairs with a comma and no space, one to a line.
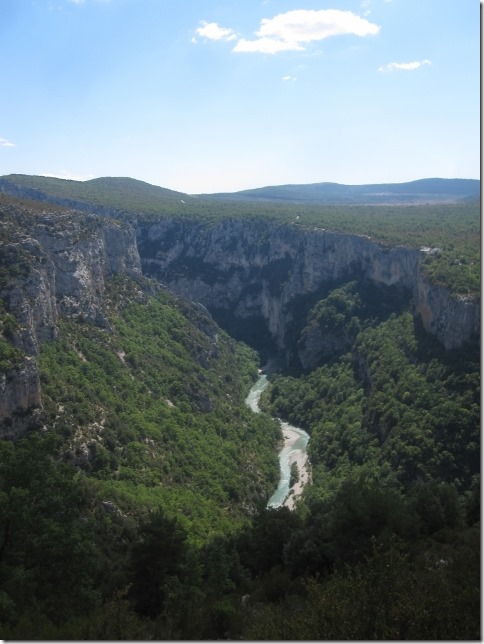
19,395
255,268
56,266
452,319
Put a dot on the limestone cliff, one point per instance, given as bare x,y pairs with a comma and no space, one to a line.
19,395
55,264
257,269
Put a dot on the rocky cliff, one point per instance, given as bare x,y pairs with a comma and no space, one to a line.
56,263
257,270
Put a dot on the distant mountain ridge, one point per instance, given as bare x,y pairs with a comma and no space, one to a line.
421,190
131,195
105,195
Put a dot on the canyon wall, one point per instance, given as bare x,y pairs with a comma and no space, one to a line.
259,269
250,270
57,265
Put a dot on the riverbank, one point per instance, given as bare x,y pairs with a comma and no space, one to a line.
293,451
299,457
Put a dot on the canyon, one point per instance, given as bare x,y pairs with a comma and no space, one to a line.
254,276
255,270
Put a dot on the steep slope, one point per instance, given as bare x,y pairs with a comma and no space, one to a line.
262,273
54,263
133,379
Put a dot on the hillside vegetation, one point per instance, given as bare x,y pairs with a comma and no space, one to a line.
156,509
153,411
134,508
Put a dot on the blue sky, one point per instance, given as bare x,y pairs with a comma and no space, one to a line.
221,95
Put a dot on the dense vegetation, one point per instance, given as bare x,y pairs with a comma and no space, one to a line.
396,407
395,453
153,410
143,521
136,509
422,190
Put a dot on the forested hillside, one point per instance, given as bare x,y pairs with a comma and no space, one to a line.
134,479
388,541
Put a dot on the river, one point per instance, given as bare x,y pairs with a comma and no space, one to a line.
293,451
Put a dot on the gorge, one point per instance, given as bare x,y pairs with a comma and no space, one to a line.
255,277
259,270
293,453
124,421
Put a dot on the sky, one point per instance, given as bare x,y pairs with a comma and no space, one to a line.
206,96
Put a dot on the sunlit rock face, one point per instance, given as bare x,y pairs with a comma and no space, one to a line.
251,273
61,264
452,319
256,269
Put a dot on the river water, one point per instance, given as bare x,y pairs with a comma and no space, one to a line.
293,451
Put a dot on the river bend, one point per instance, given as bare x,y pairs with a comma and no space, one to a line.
294,451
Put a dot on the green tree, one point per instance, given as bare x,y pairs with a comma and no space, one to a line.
157,561
47,557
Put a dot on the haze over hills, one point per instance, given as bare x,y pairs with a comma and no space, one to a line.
420,191
138,196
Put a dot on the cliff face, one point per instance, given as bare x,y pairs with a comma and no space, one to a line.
64,262
257,269
57,266
452,319
19,395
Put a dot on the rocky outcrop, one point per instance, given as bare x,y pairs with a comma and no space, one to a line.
85,251
61,266
56,265
453,319
254,269
19,395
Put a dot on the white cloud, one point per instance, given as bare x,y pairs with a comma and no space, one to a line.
213,31
391,67
5,143
291,30
304,25
266,46
288,78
